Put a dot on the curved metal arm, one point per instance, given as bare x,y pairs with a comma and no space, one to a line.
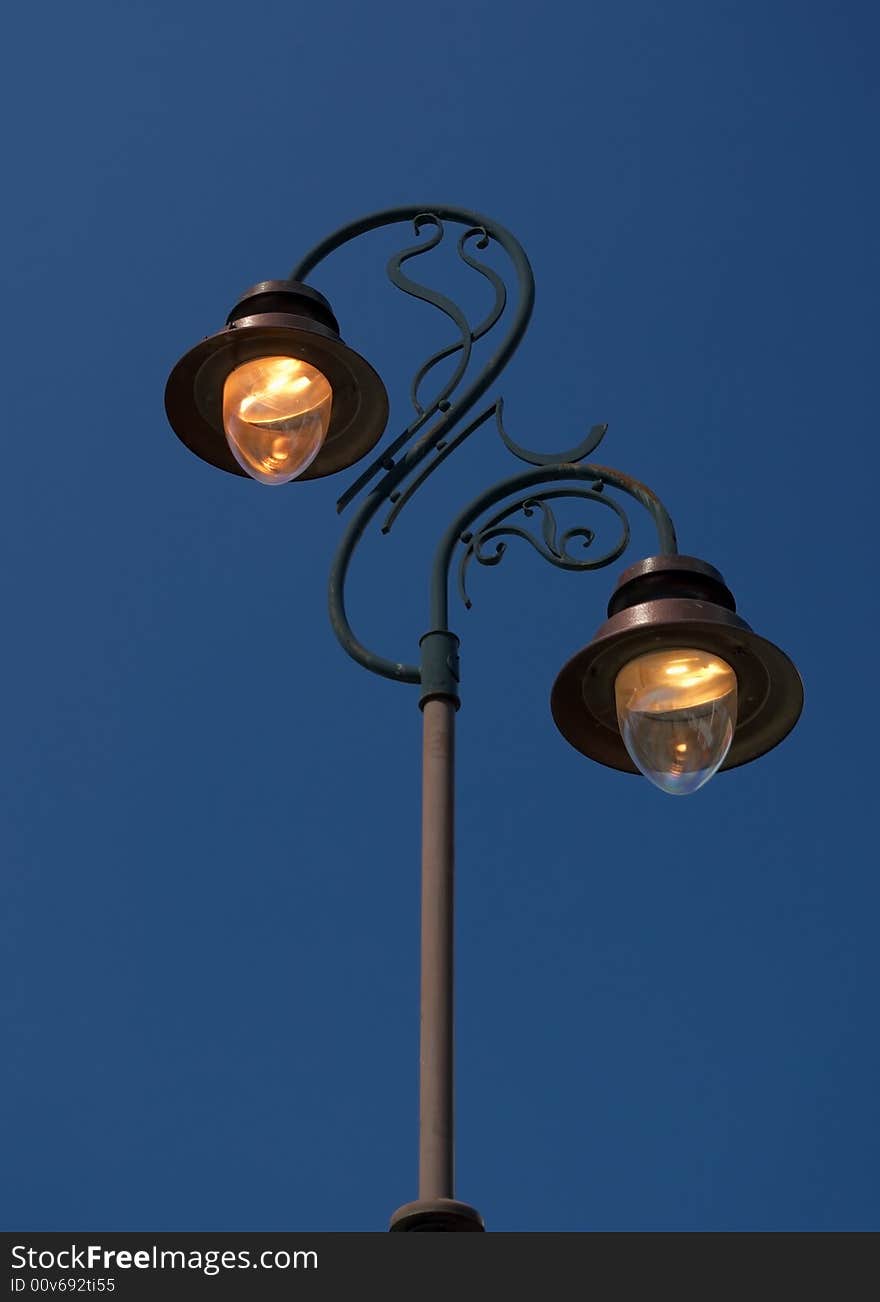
550,467
451,412
345,634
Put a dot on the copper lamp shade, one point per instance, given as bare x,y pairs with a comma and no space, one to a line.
278,319
670,602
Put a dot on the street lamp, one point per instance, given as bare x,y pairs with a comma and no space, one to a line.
674,685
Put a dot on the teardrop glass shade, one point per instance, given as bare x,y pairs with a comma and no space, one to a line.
676,710
276,413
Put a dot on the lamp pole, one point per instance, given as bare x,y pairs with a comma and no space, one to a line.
436,1104
674,684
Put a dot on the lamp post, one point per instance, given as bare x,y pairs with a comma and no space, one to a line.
674,685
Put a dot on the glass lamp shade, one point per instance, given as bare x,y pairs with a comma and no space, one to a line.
276,413
676,710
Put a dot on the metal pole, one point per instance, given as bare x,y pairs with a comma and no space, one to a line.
436,1119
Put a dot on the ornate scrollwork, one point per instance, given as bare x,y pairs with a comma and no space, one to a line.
444,403
468,334
443,304
441,420
552,545
571,456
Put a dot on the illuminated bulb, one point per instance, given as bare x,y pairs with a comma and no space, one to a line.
276,413
676,711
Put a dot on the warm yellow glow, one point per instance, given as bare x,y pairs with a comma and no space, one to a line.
677,711
677,679
689,674
276,413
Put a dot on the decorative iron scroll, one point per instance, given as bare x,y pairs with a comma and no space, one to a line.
570,457
551,544
468,334
449,404
406,462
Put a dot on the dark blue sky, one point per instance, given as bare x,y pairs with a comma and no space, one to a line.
667,1008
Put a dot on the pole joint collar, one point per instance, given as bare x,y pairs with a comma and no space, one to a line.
439,667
